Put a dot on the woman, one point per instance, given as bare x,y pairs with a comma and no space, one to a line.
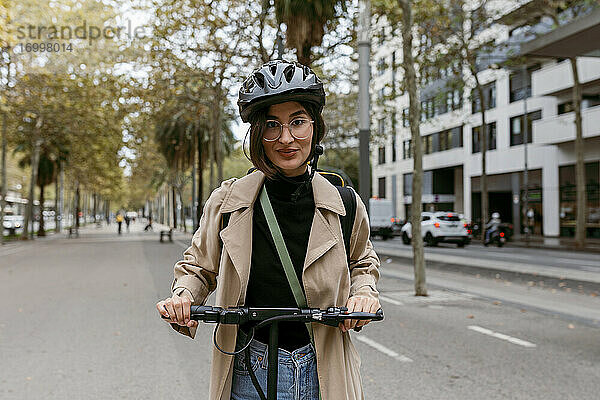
283,103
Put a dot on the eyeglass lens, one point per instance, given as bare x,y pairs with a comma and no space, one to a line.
299,128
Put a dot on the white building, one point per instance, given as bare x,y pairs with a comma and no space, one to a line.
452,161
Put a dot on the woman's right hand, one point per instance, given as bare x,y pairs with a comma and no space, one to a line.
176,310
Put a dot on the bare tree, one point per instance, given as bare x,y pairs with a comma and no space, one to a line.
414,112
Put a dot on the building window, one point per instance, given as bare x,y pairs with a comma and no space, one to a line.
489,94
393,137
427,144
491,138
587,101
405,118
406,149
382,37
456,137
381,155
568,198
381,192
381,126
517,128
454,100
407,184
381,66
519,89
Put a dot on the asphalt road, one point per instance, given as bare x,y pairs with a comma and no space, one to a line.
79,322
581,261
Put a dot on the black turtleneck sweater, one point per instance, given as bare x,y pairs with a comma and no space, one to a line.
268,286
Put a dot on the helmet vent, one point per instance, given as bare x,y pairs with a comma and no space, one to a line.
273,69
260,79
306,71
289,73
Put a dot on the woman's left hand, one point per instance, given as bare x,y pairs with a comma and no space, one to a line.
359,304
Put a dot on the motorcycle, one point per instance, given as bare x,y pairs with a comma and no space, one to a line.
497,236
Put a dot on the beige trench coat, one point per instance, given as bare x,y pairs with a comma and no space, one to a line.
328,281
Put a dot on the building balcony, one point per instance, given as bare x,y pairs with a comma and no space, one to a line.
561,128
557,79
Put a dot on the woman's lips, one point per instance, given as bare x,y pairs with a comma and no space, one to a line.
288,153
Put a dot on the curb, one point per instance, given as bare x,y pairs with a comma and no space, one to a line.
539,271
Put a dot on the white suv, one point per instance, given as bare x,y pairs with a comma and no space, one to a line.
439,227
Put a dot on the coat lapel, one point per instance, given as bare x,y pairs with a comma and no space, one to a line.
322,237
237,235
237,241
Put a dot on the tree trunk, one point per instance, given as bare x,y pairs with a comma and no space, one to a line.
211,156
304,54
107,211
484,145
3,189
194,180
77,207
200,183
35,158
61,197
3,183
416,207
182,210
56,203
580,227
41,228
219,138
95,207
174,203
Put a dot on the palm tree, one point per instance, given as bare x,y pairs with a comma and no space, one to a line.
175,142
47,172
306,23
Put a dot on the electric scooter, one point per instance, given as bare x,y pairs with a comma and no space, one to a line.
333,316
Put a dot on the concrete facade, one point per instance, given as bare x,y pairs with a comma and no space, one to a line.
552,141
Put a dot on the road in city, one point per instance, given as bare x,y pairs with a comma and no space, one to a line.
79,322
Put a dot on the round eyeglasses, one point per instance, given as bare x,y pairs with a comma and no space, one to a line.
298,128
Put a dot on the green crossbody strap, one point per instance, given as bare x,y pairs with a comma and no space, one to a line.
284,255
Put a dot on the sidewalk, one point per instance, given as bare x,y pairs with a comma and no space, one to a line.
540,242
521,268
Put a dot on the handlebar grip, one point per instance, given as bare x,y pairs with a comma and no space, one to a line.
202,309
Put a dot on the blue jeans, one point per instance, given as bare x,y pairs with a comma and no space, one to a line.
297,373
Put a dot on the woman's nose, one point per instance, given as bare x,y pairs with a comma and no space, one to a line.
286,135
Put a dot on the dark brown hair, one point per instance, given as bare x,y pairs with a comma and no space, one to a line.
258,121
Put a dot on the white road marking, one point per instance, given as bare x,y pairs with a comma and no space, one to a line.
511,255
502,336
382,348
386,299
576,262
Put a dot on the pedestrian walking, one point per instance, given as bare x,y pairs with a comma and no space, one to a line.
119,221
148,226
283,102
127,221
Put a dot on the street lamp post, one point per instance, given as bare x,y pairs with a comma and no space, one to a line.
525,142
364,119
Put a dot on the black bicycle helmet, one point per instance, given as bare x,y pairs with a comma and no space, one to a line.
278,81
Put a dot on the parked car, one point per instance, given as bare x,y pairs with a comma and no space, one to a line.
441,226
381,218
12,223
